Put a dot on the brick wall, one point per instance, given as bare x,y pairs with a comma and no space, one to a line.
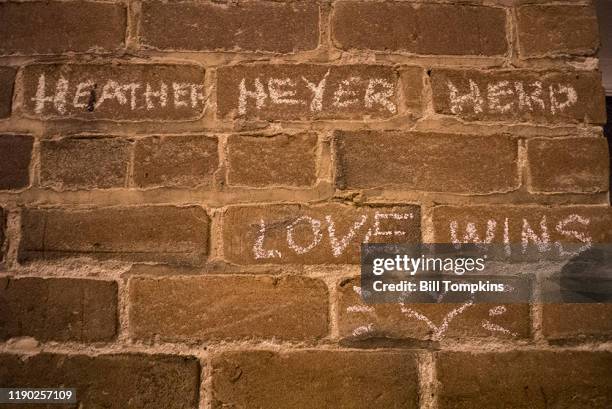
184,187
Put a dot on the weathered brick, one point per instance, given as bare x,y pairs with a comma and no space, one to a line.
251,26
360,322
7,84
572,165
156,233
307,91
110,381
120,92
2,234
429,162
545,30
315,379
439,29
182,161
84,163
280,160
577,321
32,27
524,379
317,234
15,157
228,307
58,309
552,227
519,95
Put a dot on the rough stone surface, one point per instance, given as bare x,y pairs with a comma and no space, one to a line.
577,321
252,26
58,309
569,165
213,308
308,91
325,234
32,27
387,322
180,161
440,29
117,92
280,160
519,96
15,157
2,233
315,379
7,81
524,379
545,30
110,381
428,162
155,233
85,163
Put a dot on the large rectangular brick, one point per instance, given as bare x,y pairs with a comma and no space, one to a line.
84,163
279,160
34,27
181,161
317,234
577,321
58,309
519,95
247,26
228,307
545,30
15,158
358,321
546,230
440,29
315,379
428,162
119,92
7,84
118,381
569,165
155,233
524,379
308,91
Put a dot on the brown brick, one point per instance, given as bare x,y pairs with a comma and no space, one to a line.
388,322
519,96
429,162
251,26
412,86
136,381
7,82
58,309
545,30
572,165
420,28
119,92
157,233
552,226
182,161
280,160
2,234
285,92
228,307
524,379
15,157
84,163
32,27
577,321
317,234
315,379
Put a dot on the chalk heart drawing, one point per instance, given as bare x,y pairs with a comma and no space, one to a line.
438,331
